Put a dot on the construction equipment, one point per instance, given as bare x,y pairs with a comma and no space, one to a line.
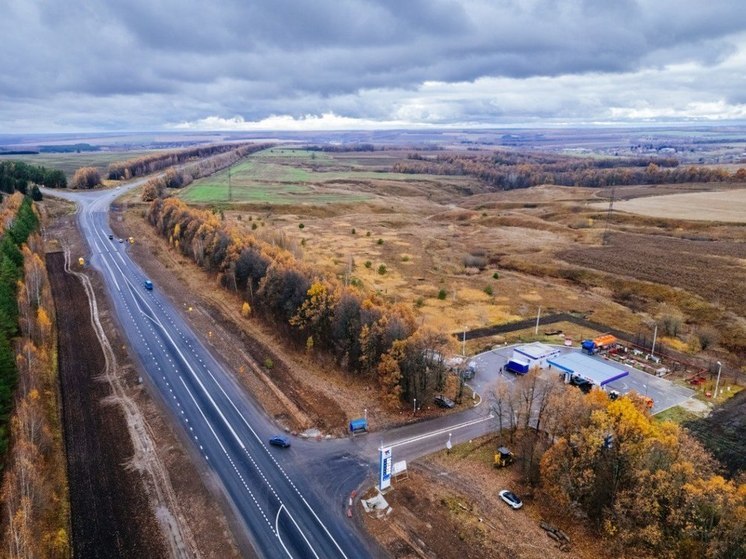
503,457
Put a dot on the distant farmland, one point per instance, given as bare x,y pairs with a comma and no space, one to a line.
290,176
71,162
727,206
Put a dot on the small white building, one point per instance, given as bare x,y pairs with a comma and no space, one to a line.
536,354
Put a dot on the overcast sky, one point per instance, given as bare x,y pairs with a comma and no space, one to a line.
96,65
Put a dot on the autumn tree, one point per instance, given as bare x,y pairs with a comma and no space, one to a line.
316,313
86,177
389,374
421,363
648,486
33,491
502,403
152,190
358,330
138,166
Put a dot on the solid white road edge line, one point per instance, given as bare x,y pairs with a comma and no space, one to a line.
439,431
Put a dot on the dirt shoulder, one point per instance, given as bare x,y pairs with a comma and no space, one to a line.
448,507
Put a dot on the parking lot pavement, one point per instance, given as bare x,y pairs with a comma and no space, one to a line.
664,393
487,366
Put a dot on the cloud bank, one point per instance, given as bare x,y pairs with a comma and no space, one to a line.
344,64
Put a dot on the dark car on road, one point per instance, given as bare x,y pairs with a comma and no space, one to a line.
279,440
444,402
511,498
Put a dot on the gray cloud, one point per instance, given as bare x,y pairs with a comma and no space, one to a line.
160,62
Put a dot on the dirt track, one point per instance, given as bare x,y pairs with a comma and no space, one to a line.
111,515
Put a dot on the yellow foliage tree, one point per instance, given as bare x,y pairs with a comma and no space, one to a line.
649,486
44,324
389,374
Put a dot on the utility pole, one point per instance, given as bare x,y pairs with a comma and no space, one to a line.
538,315
655,335
230,186
717,382
608,217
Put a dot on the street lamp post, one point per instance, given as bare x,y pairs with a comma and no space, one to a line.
717,382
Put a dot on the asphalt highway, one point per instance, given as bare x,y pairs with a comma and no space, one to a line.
279,505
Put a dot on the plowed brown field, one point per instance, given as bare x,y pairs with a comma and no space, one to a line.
713,270
111,516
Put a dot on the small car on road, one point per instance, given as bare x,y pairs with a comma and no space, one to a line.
511,498
111,237
279,440
444,402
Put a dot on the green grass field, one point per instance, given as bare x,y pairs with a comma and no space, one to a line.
288,176
677,414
